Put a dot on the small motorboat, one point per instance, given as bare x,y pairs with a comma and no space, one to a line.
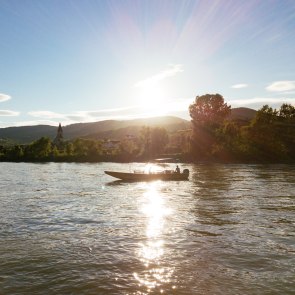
143,176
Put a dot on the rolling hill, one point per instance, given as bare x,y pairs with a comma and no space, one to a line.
112,129
242,114
97,130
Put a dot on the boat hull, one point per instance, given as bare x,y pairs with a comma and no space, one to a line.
147,176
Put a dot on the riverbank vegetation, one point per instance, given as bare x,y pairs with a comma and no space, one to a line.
149,144
268,138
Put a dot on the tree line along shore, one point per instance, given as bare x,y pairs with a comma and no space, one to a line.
268,138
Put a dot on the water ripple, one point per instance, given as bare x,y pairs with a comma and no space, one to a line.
70,229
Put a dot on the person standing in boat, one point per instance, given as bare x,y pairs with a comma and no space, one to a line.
177,170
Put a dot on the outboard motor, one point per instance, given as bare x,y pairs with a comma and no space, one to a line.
185,171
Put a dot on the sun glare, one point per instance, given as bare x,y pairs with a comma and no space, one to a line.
152,99
151,95
152,248
154,92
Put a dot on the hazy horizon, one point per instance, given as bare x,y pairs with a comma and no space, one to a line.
187,118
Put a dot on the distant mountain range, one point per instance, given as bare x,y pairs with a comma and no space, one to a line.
111,129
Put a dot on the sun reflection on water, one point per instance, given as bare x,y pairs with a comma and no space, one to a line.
152,250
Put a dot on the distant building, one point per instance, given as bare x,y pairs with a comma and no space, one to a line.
58,141
110,144
130,137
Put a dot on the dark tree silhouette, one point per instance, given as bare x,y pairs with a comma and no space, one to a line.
208,113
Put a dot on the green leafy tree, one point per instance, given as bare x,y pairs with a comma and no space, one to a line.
15,153
159,140
39,149
145,140
179,142
128,149
84,149
80,148
264,135
153,141
264,116
287,111
69,149
209,110
208,113
55,152
229,140
94,149
287,128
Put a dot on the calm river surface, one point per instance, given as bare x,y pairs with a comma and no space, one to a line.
70,229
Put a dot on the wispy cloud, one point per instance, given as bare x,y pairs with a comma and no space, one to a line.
28,123
110,111
171,71
281,86
239,86
258,102
108,114
46,115
4,97
7,113
80,115
173,107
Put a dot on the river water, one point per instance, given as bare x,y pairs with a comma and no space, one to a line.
71,229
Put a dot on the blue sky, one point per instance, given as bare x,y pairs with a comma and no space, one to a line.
84,60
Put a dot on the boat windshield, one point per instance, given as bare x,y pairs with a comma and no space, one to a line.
153,169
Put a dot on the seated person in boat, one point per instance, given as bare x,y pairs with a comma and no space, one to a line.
177,170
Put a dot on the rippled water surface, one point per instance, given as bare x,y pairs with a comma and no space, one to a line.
70,229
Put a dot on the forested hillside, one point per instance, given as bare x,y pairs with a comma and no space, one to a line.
113,129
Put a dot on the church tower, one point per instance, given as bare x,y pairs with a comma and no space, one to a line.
59,136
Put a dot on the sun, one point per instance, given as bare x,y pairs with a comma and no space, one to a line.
154,92
151,97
